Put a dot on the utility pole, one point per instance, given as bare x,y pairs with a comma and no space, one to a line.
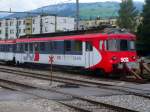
77,14
55,23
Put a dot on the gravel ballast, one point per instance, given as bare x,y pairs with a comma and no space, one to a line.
33,105
127,101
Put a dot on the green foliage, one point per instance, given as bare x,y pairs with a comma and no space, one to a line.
144,29
127,15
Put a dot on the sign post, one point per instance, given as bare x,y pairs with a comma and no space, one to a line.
51,60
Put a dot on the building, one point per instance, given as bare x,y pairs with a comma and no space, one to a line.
49,24
87,24
16,27
3,29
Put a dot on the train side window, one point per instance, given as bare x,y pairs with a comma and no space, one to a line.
14,48
0,48
26,47
67,45
4,47
42,46
77,46
101,45
17,48
88,46
31,47
36,46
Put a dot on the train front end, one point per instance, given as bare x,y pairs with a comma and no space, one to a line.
120,53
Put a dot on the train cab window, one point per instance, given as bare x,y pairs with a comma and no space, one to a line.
132,45
112,45
123,45
89,47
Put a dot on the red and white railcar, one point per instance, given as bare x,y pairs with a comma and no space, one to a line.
105,52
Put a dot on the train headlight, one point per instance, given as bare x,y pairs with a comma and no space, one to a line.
133,57
114,58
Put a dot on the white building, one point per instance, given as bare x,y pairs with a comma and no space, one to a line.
65,24
49,24
36,26
21,27
14,28
11,28
3,29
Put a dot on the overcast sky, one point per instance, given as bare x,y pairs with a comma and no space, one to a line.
24,5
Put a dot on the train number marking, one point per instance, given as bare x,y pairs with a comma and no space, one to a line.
124,59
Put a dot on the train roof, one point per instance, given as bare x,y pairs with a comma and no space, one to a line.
84,37
7,41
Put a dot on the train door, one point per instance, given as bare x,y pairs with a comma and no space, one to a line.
36,49
88,54
31,52
26,51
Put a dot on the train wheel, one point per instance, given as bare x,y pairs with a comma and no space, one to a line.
17,63
14,61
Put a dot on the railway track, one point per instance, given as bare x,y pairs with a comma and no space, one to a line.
67,80
77,102
80,82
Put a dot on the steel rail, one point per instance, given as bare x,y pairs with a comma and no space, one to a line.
13,85
79,82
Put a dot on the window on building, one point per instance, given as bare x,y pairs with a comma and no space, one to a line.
46,20
6,23
19,30
33,21
24,30
28,29
24,22
27,24
64,21
0,24
33,30
11,31
11,23
0,31
19,23
46,29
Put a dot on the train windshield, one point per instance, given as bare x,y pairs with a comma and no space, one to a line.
120,45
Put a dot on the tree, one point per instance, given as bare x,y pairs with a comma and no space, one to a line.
127,15
144,30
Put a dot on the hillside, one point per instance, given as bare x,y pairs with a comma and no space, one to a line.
87,10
